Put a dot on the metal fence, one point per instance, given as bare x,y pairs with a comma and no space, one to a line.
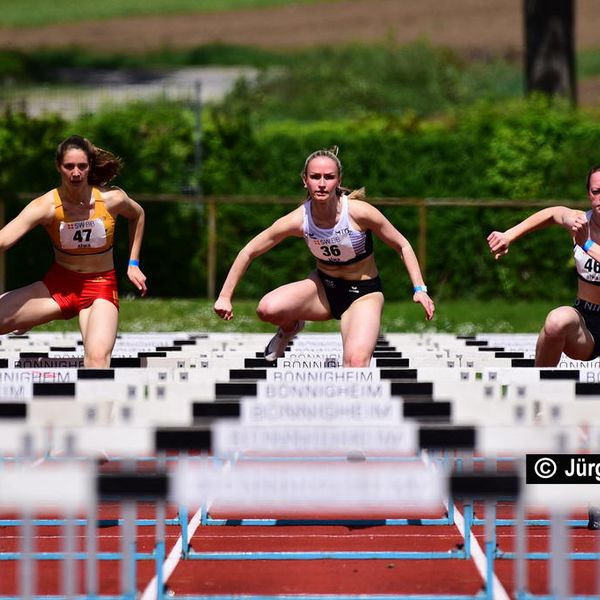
212,203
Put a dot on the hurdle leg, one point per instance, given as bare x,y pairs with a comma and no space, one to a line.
70,578
184,518
128,583
520,551
160,536
28,570
183,524
490,546
91,565
446,462
468,517
559,569
69,566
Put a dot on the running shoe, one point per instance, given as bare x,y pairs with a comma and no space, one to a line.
276,347
594,517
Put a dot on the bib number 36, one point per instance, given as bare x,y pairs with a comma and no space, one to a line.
331,250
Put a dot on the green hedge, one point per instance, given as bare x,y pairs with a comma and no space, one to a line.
520,149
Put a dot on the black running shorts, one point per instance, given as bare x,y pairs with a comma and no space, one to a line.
341,293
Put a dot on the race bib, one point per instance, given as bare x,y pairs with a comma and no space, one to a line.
82,234
336,248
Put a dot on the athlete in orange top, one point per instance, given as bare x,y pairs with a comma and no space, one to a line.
80,219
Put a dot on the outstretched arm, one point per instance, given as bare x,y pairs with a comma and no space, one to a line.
499,242
37,212
369,217
286,226
135,215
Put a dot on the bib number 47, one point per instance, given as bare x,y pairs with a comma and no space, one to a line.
82,235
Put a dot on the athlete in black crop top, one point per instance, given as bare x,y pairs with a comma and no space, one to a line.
572,330
337,228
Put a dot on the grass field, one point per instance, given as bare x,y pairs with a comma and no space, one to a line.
462,317
31,13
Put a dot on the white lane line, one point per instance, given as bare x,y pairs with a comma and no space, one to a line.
479,558
477,554
172,560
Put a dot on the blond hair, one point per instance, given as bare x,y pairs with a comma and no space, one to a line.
332,153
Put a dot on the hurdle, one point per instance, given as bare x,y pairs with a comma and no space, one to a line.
26,490
42,488
400,377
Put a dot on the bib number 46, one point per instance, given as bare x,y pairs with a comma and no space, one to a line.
592,266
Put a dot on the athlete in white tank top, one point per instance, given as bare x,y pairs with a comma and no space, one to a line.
342,244
588,269
337,229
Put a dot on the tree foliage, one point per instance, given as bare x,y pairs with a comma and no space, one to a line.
518,149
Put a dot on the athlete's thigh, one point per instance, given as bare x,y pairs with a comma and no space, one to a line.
579,343
361,322
28,306
305,299
98,324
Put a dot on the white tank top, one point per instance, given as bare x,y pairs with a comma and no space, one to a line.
588,269
342,244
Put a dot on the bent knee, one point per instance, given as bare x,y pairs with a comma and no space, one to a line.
97,360
561,321
270,310
262,310
357,360
8,325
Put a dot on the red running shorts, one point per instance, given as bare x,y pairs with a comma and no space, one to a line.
75,291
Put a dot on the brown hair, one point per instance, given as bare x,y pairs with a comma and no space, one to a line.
593,169
104,165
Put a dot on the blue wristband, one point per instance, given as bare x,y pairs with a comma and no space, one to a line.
588,245
133,262
420,288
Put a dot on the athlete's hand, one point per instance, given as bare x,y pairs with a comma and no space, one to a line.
580,230
498,243
427,303
137,278
224,308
